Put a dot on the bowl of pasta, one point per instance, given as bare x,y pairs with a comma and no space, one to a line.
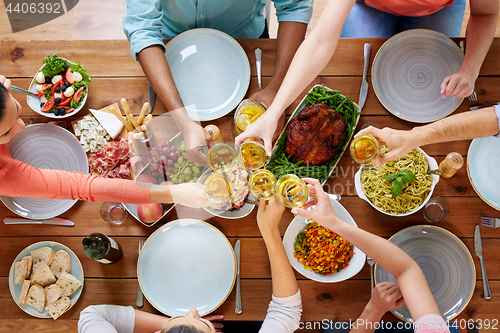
374,185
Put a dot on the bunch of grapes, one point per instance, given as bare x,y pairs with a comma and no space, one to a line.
171,161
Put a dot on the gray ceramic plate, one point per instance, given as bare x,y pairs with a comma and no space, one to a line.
407,73
447,265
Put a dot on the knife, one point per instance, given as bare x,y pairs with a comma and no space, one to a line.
364,84
479,252
151,98
56,221
238,309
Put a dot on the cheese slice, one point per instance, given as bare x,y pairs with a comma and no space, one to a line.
109,121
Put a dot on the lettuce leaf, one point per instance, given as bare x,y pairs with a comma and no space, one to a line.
54,66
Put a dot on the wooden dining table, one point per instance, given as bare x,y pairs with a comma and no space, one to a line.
116,75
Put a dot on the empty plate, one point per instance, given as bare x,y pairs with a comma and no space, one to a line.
483,160
46,147
211,72
186,264
407,73
447,265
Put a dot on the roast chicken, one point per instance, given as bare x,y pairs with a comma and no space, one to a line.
315,135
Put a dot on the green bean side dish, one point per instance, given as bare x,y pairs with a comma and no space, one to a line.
280,164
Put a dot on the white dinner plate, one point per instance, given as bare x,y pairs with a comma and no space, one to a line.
407,73
76,271
483,160
46,147
446,263
186,264
298,225
211,72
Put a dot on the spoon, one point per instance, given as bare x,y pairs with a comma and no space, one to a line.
258,56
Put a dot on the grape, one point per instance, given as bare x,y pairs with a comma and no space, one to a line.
163,159
180,159
153,167
156,150
172,156
151,153
165,150
170,162
169,169
167,144
155,173
188,171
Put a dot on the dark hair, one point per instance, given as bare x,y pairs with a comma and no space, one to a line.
183,329
4,96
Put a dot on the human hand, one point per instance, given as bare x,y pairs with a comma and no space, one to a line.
189,195
323,213
6,83
212,318
460,85
195,137
269,215
386,296
399,142
264,128
264,97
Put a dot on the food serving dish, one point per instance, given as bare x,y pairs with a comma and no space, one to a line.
407,73
76,271
186,264
34,102
46,147
211,72
298,224
435,179
325,169
446,263
483,160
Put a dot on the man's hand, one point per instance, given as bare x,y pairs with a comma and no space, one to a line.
399,143
264,128
460,85
6,83
265,96
189,195
269,215
195,137
386,296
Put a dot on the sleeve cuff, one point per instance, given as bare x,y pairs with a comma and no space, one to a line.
140,44
497,111
298,12
294,300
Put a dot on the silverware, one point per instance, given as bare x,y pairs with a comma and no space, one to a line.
151,98
472,97
492,222
479,252
371,263
258,58
481,106
56,221
335,197
21,90
364,84
140,301
238,308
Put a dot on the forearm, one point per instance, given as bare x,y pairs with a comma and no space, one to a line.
148,322
283,278
366,321
463,126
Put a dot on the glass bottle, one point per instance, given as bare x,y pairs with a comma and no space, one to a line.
451,164
102,248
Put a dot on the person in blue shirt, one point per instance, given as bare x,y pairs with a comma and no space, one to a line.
148,22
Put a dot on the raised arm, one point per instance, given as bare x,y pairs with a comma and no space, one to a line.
312,56
462,126
479,35
411,280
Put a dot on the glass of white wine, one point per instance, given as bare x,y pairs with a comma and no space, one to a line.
252,155
221,157
217,188
292,191
262,184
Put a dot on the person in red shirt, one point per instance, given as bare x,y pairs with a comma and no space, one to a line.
21,180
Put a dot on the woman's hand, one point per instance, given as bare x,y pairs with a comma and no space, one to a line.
399,142
218,326
460,85
189,195
386,296
264,128
269,215
6,83
323,212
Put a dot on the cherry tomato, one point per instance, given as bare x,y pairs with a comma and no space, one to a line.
64,102
46,86
58,84
49,105
40,93
78,95
69,76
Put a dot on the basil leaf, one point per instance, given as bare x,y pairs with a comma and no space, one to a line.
407,176
390,176
396,187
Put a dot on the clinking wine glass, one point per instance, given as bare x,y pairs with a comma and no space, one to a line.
365,150
262,184
221,157
252,155
292,191
217,188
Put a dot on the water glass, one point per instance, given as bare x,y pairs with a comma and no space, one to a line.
113,212
436,209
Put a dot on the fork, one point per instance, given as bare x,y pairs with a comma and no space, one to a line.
371,262
139,301
472,97
492,222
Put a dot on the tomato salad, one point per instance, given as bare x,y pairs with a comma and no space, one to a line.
61,85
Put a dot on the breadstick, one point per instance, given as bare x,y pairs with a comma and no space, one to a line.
118,115
144,128
129,114
145,108
147,119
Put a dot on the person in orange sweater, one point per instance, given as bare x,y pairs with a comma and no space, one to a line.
17,179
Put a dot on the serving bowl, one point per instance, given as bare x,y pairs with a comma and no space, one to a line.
435,179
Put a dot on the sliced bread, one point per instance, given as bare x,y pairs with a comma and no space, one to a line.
20,271
24,291
57,308
43,276
36,297
29,260
52,293
61,263
68,283
43,255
